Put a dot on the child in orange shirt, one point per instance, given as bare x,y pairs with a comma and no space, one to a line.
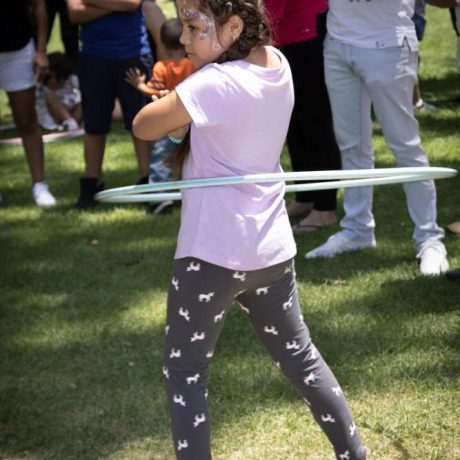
166,74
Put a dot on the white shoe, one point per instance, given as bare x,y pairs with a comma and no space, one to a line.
422,105
338,243
433,260
42,195
69,124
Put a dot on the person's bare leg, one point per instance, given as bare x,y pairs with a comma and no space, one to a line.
94,146
77,113
25,118
142,149
56,108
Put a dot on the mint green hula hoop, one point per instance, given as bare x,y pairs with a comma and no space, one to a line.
336,179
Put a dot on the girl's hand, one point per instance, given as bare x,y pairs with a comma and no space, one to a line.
41,65
135,78
161,93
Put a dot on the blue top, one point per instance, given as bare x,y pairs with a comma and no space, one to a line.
116,36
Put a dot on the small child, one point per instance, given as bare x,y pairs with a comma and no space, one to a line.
58,100
166,74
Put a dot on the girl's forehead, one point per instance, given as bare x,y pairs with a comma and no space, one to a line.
188,10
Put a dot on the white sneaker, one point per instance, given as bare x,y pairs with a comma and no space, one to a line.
422,105
338,243
69,124
433,260
42,195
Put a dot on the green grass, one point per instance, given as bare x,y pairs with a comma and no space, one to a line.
82,312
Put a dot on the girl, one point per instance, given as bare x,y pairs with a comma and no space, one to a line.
235,242
58,97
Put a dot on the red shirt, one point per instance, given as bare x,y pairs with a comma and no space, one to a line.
294,20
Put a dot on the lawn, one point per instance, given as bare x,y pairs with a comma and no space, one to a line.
82,312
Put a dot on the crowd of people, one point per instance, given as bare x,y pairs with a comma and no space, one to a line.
339,60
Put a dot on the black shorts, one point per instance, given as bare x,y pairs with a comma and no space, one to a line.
101,82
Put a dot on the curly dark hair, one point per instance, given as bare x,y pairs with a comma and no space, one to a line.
256,26
256,32
60,66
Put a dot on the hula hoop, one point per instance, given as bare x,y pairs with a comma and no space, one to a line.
336,179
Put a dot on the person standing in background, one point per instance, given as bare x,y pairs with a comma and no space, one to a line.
114,39
299,30
371,56
21,61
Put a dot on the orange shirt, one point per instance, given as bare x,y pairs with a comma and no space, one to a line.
167,74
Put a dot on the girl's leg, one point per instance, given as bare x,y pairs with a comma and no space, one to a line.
199,298
274,311
25,118
56,107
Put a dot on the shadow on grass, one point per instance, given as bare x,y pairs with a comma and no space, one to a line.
79,379
91,392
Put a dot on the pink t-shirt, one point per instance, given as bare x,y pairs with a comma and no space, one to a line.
240,115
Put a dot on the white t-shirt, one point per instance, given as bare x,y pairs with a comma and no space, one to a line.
240,115
372,23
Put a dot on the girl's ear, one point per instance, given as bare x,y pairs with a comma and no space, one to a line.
235,27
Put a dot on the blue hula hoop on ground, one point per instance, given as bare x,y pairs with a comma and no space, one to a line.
334,179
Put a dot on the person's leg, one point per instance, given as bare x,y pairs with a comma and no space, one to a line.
142,149
350,105
98,95
17,78
199,297
315,147
273,308
77,113
160,152
391,87
25,118
56,107
351,113
131,102
94,148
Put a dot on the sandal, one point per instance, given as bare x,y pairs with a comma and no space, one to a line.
316,220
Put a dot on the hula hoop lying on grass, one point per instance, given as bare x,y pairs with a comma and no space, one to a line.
336,179
49,137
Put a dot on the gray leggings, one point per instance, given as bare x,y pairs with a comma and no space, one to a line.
199,299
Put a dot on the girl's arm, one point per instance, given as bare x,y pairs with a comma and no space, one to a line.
41,59
80,12
164,116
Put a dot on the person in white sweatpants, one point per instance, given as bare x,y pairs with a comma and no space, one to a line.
371,55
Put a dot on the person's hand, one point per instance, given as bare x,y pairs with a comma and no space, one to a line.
41,65
135,78
160,94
